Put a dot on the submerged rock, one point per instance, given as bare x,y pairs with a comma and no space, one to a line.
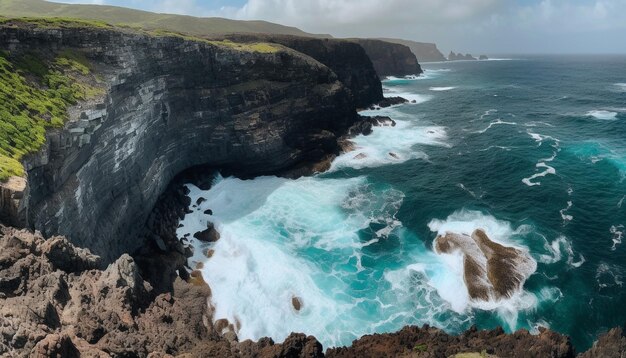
296,302
491,270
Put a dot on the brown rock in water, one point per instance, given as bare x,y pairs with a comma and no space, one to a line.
360,156
296,302
491,270
200,200
347,145
208,235
393,155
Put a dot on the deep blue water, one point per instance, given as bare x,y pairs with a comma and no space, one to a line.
532,150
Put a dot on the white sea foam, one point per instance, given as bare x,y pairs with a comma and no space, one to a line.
539,138
495,123
389,145
440,89
566,217
548,170
621,86
618,234
621,201
602,114
272,233
448,281
558,249
608,276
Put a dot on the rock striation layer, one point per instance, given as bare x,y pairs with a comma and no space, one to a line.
172,103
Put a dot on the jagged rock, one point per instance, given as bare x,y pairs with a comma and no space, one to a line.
67,257
412,341
391,101
491,270
55,346
210,234
611,344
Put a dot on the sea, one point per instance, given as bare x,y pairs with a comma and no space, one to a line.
531,149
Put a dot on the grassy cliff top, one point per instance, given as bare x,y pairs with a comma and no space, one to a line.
35,92
142,19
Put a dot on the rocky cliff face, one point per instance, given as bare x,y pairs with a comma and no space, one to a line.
347,59
171,104
390,59
425,52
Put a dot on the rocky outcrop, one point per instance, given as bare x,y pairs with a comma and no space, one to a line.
172,103
432,342
390,59
347,59
425,52
461,57
491,271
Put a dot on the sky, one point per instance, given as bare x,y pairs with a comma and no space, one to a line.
475,26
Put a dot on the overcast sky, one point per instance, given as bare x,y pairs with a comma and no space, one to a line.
476,26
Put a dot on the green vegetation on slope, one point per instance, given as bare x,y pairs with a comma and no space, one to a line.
143,19
35,93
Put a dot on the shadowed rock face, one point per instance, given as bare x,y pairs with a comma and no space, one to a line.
491,270
171,104
390,59
347,59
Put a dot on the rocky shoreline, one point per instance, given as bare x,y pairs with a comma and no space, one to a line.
56,302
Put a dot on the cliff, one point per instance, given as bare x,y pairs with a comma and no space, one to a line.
170,103
347,59
425,52
390,59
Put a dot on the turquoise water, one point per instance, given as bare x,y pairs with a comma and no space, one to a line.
532,150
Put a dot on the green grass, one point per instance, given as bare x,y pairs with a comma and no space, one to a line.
197,26
35,93
56,22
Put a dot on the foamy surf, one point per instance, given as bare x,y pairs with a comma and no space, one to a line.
542,163
283,241
441,89
602,115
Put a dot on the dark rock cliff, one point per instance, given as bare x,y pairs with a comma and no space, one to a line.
424,51
347,59
171,104
460,57
390,59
